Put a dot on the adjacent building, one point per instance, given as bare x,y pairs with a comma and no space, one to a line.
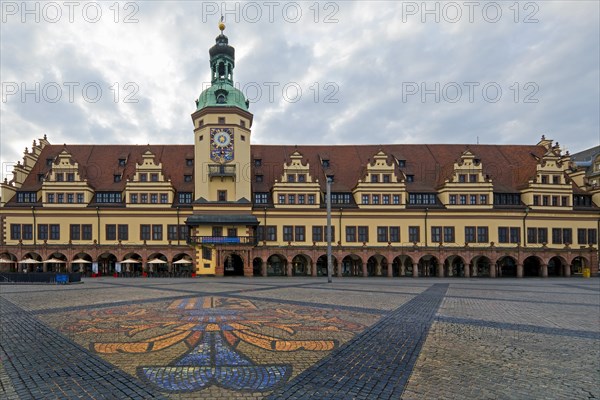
223,206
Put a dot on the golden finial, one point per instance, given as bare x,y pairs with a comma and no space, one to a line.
222,24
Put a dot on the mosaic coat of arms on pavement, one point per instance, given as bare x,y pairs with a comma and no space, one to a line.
214,345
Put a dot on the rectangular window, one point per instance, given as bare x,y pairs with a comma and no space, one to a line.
394,234
222,195
70,198
317,233
472,178
555,201
386,178
42,232
60,177
436,234
396,199
365,199
532,235
482,234
111,232
363,234
469,234
502,234
311,199
232,232
592,236
536,200
144,198
449,234
288,233
257,162
164,198
221,120
50,197
515,235
473,199
80,198
261,198
60,198
462,178
154,198
301,199
291,199
300,233
374,178
27,231
54,232
183,232
453,199
302,178
143,177
157,232
350,234
154,177
410,178
545,200
556,236
282,199
189,162
217,231
15,231
375,199
564,201
543,235
382,234
172,232
385,199
291,178
414,234
133,198
86,232
187,178
258,178
185,198
567,236
463,199
272,233
144,232
123,230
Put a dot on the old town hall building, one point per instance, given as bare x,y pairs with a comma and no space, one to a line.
223,206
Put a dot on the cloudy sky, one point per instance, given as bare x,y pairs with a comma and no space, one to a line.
315,72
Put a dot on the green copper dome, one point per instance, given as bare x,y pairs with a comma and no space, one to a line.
222,94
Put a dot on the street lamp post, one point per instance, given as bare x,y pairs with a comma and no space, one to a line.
328,200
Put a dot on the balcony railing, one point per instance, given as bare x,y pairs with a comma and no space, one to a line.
221,170
246,240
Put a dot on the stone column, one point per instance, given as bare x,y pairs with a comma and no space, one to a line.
519,270
390,270
492,270
467,270
567,269
544,270
440,270
263,268
415,270
365,272
289,269
313,269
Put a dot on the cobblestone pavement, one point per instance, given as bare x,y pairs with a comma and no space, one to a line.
301,338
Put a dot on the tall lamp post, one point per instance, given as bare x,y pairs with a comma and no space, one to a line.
328,200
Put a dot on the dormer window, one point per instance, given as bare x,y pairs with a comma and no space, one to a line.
60,177
143,177
330,178
291,178
472,178
116,178
301,178
325,163
122,162
40,177
189,162
49,162
257,162
462,178
187,178
410,178
402,163
221,99
374,178
70,177
259,178
387,178
154,177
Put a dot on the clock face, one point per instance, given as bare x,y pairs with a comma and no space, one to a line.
221,144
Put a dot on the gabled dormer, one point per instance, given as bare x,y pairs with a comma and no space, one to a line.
149,186
63,183
297,187
381,185
467,185
550,187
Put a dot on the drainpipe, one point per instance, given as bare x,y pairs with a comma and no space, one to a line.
178,230
34,226
98,217
524,225
426,215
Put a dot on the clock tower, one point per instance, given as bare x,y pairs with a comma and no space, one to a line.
222,227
